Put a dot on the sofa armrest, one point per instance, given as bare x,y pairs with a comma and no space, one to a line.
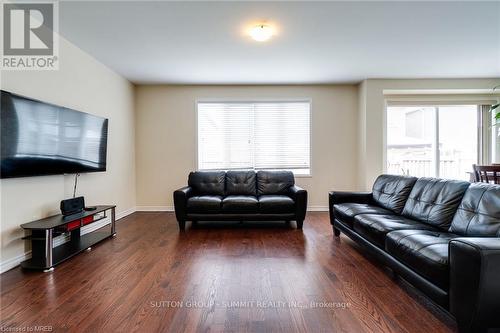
180,202
299,195
474,282
337,197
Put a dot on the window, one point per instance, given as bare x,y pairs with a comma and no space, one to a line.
433,141
257,135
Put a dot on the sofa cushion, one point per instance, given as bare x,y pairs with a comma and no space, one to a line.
479,212
241,183
435,201
391,191
274,182
276,204
204,204
240,204
207,182
346,212
375,227
424,251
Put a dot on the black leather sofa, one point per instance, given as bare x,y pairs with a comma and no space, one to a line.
442,236
240,196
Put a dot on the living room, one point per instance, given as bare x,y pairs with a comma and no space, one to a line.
266,163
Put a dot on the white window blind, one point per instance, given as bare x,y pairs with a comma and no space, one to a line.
257,135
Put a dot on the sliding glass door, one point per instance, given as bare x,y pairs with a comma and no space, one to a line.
458,141
433,141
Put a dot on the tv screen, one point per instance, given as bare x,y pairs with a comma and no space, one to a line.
39,138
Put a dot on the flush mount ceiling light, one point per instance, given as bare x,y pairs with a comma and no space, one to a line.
261,32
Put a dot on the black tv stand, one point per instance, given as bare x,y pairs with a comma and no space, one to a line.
44,256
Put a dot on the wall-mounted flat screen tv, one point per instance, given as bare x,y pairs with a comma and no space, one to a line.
39,138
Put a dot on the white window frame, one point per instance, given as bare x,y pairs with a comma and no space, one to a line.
259,100
484,153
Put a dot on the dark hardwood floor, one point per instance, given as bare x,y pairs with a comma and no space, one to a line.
265,277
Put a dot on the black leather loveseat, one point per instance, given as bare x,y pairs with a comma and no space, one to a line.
442,236
240,196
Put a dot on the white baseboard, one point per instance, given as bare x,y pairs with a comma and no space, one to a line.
127,212
317,208
154,209
11,263
8,264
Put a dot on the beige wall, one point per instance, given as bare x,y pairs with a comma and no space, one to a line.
83,84
166,136
372,115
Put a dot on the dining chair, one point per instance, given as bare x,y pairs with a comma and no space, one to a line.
487,173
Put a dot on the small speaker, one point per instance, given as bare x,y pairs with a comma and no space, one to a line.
72,206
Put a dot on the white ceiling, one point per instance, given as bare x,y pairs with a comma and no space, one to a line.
317,42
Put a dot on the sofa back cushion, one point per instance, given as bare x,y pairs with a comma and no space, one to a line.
241,183
391,191
435,201
207,182
479,212
274,182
